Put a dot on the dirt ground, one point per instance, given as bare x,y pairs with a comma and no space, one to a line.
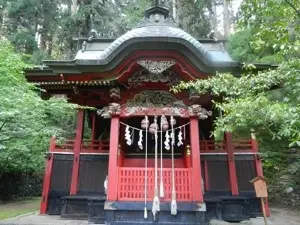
284,216
18,207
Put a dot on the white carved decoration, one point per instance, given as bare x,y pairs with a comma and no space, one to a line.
156,67
197,110
110,110
128,111
144,75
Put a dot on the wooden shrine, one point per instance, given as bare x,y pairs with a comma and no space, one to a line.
150,157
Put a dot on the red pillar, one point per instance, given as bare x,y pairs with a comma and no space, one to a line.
112,193
258,168
231,164
196,166
77,148
47,177
94,117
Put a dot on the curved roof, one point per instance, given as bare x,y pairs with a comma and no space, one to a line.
156,31
158,27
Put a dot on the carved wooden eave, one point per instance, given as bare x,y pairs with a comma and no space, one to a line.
113,109
80,83
154,103
144,76
198,111
156,98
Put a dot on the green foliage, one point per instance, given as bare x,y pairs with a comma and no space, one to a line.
247,102
45,28
193,17
20,185
240,49
275,25
267,101
26,121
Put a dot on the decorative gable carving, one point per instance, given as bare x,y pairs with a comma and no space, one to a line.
155,99
145,76
156,66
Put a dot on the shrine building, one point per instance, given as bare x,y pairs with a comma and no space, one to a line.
150,158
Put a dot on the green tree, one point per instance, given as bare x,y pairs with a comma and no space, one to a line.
267,101
275,25
192,17
26,121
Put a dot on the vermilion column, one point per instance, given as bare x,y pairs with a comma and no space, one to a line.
258,166
231,164
77,148
47,177
112,193
196,166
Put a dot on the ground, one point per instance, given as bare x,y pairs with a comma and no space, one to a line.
15,209
18,207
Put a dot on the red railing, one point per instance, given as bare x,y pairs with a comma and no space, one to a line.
208,146
239,146
87,146
243,146
132,184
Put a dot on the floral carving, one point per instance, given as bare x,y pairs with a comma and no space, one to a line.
110,110
176,111
164,77
155,99
156,67
197,110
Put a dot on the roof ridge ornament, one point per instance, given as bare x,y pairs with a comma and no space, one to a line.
158,14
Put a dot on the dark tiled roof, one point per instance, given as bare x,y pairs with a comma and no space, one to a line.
155,32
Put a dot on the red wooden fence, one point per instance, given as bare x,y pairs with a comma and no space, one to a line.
132,184
240,146
87,146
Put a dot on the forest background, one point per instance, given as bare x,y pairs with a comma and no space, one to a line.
254,31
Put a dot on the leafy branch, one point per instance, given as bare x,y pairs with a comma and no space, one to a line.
293,7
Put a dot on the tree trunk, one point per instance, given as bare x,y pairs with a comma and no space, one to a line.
226,19
74,7
175,7
213,15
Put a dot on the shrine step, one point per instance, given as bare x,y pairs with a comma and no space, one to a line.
232,208
83,207
126,217
121,213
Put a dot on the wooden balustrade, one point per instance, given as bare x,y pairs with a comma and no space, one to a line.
87,146
240,146
210,145
243,146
